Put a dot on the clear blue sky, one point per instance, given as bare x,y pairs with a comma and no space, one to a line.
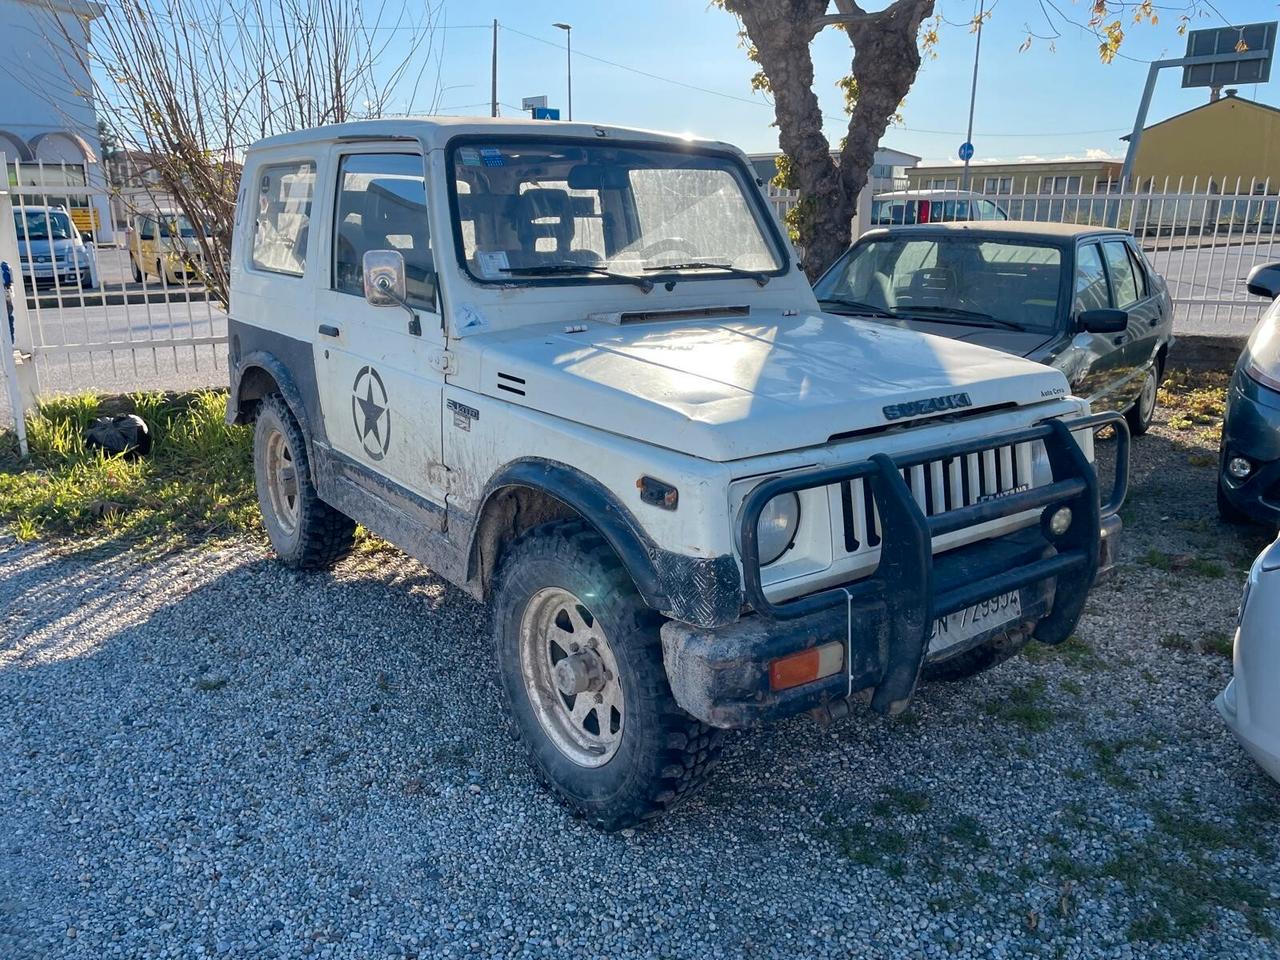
1042,103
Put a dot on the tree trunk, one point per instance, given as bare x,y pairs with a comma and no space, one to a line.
885,63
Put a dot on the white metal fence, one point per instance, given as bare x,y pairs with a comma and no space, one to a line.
106,291
1203,235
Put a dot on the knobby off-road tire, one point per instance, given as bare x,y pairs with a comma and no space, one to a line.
982,657
561,587
305,532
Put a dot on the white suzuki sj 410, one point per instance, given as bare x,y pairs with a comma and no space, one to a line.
577,372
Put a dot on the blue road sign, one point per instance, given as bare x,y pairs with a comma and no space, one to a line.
966,151
546,113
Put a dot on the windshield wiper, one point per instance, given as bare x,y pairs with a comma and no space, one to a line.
760,278
972,317
557,269
857,307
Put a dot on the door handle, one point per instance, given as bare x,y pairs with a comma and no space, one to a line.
328,330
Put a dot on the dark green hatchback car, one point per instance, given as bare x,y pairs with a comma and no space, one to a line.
1082,299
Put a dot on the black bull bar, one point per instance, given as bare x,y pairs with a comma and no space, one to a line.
905,594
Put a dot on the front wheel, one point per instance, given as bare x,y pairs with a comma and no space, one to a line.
970,663
305,532
137,271
580,663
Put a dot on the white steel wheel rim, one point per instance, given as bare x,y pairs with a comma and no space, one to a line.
585,726
282,483
1147,401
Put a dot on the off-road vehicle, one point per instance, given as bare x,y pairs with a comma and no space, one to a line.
577,371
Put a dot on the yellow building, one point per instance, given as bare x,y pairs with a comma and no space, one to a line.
1227,140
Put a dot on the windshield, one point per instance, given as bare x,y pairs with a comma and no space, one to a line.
531,210
42,224
177,227
1008,283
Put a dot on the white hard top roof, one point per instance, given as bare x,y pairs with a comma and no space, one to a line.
436,131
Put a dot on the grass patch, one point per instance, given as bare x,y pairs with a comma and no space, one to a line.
1023,705
196,484
1073,652
899,801
1218,645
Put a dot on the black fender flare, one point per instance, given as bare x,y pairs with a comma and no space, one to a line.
705,591
274,367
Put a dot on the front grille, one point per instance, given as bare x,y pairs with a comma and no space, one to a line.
939,486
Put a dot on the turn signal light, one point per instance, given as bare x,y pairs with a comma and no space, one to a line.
806,666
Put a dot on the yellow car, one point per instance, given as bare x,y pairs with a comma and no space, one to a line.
165,246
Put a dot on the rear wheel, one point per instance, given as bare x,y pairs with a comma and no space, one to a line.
305,532
580,662
1143,410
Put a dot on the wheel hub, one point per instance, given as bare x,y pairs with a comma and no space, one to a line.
571,677
580,672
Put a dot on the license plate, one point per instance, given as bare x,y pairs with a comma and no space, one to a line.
956,628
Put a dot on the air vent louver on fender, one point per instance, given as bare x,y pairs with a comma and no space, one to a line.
511,383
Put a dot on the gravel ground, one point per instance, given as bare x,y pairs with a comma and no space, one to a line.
214,756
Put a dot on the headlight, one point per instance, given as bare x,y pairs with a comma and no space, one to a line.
776,530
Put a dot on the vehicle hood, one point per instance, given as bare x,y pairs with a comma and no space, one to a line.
742,387
1021,343
40,248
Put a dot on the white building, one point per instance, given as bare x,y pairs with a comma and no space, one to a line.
888,170
48,127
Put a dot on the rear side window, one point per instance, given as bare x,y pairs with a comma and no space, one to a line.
1091,280
382,205
282,222
1124,283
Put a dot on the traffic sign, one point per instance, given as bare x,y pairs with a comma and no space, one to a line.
966,151
533,103
546,113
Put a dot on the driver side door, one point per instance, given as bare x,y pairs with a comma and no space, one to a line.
382,376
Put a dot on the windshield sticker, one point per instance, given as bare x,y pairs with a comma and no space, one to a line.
469,156
492,157
492,263
470,319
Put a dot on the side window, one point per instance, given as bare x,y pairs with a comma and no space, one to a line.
382,205
1124,284
281,227
1139,272
146,228
1091,280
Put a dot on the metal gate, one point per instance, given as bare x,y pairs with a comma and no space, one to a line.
106,291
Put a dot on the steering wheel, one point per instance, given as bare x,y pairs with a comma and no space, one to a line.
669,245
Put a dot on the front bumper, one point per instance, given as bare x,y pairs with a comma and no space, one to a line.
1251,430
721,675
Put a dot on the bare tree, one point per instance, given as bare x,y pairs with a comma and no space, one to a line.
887,53
189,84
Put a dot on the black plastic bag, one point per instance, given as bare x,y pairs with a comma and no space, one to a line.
127,434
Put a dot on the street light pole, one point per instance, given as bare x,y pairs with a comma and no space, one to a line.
973,90
568,54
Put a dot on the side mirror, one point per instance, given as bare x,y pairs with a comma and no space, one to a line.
384,284
1264,280
1103,321
384,278
87,237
